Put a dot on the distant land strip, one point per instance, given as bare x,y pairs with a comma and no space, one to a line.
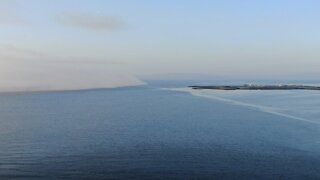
259,87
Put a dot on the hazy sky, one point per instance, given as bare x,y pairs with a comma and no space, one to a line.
138,37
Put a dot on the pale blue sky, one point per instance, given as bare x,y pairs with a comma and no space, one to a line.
247,38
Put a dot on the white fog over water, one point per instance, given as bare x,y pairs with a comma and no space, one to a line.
26,70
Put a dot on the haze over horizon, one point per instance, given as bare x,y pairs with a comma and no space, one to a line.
80,44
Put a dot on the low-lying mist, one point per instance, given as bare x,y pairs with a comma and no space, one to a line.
33,76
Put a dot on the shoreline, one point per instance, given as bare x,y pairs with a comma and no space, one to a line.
258,87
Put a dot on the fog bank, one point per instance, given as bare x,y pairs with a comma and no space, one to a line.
25,70
62,78
58,78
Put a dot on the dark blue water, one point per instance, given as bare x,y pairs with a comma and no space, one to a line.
149,133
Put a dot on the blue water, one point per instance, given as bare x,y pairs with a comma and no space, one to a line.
151,133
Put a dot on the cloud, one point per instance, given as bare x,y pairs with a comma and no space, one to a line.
91,22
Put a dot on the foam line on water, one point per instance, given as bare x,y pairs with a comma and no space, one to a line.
266,109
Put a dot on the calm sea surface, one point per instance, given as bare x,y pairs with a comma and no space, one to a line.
153,133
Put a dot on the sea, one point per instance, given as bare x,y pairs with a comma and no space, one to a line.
160,132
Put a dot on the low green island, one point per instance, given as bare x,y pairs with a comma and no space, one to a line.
258,87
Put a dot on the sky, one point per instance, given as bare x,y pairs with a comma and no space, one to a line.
74,44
